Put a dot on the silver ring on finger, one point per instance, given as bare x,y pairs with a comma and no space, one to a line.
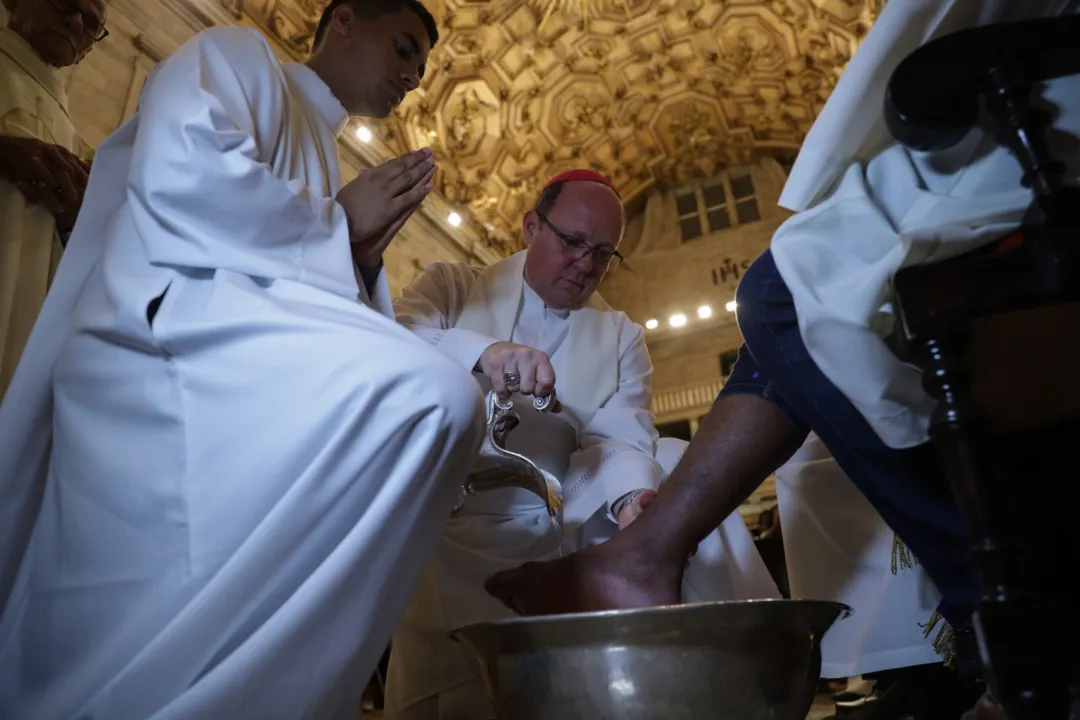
512,380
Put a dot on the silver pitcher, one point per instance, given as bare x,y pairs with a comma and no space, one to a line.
497,467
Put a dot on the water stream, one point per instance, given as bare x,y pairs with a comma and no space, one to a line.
556,525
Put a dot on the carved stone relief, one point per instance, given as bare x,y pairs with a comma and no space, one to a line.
649,92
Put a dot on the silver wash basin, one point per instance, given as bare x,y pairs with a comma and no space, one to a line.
741,660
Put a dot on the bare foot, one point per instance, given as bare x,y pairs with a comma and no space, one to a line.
610,576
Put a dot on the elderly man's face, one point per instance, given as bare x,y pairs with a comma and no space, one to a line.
563,262
60,31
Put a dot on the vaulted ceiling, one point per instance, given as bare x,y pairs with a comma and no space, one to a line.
650,92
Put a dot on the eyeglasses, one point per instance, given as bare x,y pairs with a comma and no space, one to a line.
605,256
91,22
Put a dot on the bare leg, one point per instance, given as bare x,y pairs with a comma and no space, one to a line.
741,441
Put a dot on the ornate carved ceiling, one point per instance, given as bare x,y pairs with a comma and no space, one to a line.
650,92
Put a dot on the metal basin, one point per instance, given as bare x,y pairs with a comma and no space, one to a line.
743,660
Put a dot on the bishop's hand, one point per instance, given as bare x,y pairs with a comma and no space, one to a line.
379,200
517,368
630,511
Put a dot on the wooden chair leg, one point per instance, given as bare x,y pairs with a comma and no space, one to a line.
1022,635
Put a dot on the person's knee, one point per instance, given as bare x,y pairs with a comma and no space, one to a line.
753,289
456,393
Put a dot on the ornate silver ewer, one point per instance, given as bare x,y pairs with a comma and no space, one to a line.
497,467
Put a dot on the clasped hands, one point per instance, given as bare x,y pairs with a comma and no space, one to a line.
47,174
379,200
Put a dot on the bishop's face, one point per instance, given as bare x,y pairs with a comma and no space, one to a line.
391,51
60,31
571,246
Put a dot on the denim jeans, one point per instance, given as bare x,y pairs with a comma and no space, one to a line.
907,487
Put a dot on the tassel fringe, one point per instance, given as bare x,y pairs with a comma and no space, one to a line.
943,642
902,559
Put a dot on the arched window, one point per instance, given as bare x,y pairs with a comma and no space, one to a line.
717,204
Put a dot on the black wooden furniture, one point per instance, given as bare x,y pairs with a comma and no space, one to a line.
997,334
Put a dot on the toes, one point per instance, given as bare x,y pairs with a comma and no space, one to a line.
502,585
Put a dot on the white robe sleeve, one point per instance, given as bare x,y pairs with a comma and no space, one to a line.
431,304
374,290
618,445
202,187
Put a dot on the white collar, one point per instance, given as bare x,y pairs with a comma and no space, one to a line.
319,96
533,299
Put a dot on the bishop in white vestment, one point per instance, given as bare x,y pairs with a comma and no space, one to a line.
35,128
231,462
602,447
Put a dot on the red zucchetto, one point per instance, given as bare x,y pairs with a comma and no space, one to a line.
582,174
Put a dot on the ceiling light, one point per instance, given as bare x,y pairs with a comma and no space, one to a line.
363,134
677,320
652,324
454,219
704,312
730,307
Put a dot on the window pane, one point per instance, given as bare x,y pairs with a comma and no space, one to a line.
719,219
747,211
690,227
687,203
714,195
742,187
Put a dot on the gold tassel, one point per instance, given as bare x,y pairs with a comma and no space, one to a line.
902,559
943,643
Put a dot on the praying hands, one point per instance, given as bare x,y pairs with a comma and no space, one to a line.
379,200
47,174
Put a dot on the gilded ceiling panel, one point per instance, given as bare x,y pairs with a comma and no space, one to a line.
649,92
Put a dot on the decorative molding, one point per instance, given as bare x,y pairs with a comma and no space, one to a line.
234,8
685,402
202,14
141,66
148,47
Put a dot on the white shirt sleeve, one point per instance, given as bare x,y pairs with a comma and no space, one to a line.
211,122
430,305
619,442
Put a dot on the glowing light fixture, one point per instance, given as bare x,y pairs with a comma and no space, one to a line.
730,307
651,324
704,312
363,134
454,219
677,320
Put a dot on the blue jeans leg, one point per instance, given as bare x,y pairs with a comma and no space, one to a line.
907,487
